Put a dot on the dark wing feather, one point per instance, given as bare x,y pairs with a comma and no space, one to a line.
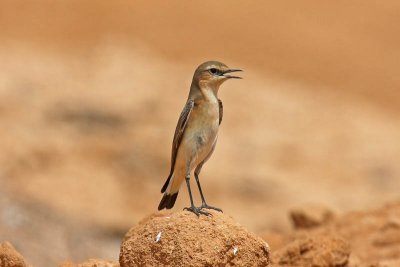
180,129
221,110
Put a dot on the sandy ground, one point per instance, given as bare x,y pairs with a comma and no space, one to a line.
357,239
90,93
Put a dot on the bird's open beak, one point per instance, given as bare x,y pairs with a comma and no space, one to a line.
231,76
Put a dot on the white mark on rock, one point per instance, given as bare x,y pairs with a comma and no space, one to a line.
235,250
158,237
267,247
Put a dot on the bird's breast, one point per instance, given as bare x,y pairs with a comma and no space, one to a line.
202,128
206,118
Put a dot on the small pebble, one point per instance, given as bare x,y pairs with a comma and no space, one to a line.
158,237
235,250
267,247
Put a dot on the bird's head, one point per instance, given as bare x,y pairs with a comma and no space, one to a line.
212,74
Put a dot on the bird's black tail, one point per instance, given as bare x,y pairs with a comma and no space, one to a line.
167,201
165,186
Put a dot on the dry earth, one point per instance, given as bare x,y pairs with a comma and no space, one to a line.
9,257
356,239
90,92
182,239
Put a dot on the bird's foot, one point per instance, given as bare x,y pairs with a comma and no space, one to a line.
197,211
205,206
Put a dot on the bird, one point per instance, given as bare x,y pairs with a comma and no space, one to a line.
196,133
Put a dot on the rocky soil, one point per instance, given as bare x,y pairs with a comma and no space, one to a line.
357,239
9,257
182,239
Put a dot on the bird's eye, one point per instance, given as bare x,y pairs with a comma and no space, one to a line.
213,70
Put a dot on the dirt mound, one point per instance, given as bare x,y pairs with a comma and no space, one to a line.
9,257
373,236
311,215
183,239
317,251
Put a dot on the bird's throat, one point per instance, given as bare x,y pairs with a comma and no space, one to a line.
209,94
205,93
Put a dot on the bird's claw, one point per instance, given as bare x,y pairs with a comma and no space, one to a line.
197,211
205,206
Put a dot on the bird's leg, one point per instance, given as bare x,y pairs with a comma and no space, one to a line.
203,201
192,208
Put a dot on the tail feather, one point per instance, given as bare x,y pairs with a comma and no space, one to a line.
167,201
165,186
170,190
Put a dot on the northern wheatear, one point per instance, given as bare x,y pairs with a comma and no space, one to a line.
196,133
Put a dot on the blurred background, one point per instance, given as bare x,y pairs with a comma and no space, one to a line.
90,92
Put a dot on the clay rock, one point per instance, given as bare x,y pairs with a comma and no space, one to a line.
9,257
183,239
316,251
310,215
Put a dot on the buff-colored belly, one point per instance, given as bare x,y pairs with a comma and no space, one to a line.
199,137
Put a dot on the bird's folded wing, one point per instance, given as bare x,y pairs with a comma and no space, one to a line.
221,110
180,129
